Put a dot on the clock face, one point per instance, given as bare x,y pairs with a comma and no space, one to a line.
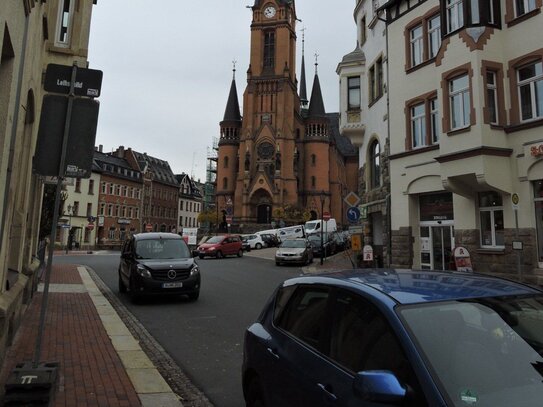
269,12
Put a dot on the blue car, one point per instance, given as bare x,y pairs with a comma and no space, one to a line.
396,338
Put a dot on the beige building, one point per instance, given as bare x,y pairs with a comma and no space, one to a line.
363,118
190,203
32,34
466,117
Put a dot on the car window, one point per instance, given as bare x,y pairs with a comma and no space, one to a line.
303,316
361,339
215,239
162,249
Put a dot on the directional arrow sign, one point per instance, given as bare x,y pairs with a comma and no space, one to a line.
353,214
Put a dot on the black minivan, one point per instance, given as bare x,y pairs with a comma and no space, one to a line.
158,263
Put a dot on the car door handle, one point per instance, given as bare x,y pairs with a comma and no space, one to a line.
328,391
274,353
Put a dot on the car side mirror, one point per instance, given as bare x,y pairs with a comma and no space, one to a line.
126,256
379,386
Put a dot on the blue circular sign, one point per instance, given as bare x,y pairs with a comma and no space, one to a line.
353,214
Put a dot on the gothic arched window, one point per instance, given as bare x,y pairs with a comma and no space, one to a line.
375,164
225,162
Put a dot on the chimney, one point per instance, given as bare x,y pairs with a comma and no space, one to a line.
101,148
120,152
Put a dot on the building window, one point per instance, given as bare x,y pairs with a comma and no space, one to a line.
136,213
454,15
418,125
64,24
434,120
313,160
225,183
269,49
376,80
459,99
86,237
181,205
375,165
491,217
91,187
130,212
75,208
104,188
524,6
225,165
417,46
538,202
117,211
492,97
102,209
353,83
118,190
89,209
434,36
111,233
78,185
363,35
111,189
530,88
313,182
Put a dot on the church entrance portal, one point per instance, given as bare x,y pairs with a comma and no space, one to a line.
264,213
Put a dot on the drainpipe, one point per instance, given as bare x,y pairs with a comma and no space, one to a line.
14,131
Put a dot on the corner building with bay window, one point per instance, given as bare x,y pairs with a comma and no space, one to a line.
466,121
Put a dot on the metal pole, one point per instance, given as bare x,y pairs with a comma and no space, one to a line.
322,233
61,173
519,267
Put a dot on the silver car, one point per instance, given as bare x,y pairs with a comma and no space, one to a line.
294,251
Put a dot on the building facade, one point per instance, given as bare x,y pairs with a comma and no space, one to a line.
466,113
120,200
284,152
364,120
190,203
32,34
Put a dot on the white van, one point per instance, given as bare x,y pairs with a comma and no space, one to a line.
291,232
315,226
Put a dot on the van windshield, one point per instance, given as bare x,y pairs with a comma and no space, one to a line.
311,226
162,249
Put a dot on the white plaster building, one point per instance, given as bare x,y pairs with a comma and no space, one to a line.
466,113
190,203
364,119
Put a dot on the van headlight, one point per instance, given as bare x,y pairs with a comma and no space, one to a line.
142,271
195,270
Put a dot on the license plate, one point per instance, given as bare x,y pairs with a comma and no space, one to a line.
172,285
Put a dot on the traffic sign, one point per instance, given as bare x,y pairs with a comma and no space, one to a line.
90,226
353,214
88,82
352,199
229,219
326,216
515,201
149,227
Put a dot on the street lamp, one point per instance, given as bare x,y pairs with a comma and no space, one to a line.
69,209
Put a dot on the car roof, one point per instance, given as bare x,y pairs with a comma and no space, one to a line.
420,286
154,236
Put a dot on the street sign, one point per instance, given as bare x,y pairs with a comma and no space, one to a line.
352,199
88,82
367,253
356,242
90,226
356,229
326,216
353,214
229,219
515,201
363,211
149,227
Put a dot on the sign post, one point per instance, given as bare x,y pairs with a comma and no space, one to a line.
515,200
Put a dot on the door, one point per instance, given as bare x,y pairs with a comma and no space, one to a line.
263,214
436,246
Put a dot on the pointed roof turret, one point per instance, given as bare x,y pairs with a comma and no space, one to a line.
303,86
316,105
232,114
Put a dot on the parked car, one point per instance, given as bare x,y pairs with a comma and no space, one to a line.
245,245
328,244
396,338
297,250
255,241
220,246
271,239
158,263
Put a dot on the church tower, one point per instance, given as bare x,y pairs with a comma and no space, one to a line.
267,172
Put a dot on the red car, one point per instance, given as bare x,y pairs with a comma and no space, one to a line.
220,246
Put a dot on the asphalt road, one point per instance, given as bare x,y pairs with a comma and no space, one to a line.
205,338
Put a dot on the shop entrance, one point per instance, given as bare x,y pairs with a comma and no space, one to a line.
436,246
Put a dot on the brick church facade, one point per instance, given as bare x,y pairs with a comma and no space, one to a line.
284,150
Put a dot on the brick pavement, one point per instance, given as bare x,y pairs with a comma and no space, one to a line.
91,371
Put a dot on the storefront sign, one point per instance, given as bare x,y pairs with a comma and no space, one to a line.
122,221
436,207
368,253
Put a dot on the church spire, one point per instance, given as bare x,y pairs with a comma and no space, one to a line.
303,86
316,106
231,114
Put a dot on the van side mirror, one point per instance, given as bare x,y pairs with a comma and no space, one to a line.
379,386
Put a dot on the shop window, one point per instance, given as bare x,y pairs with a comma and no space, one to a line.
491,219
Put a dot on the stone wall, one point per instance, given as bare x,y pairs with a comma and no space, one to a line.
402,248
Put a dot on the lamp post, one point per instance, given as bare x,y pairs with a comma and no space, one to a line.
322,197
69,212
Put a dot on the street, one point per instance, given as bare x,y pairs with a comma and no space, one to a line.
205,338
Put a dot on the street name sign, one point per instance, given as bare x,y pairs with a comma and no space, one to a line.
88,82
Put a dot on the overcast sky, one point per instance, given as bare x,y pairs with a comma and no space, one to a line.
168,68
